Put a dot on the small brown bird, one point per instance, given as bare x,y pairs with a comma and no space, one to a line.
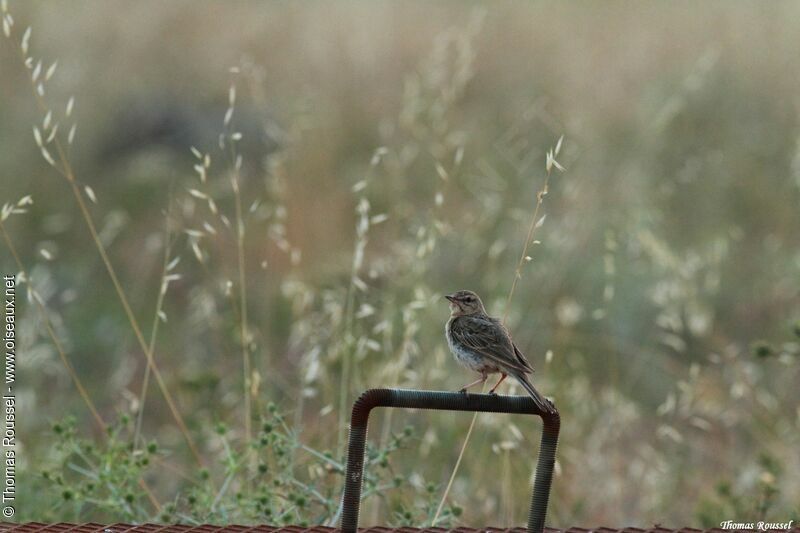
482,344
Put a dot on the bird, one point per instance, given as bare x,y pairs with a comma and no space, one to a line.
483,344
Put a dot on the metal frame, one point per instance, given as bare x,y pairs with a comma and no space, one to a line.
447,401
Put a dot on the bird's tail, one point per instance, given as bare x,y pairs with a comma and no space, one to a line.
541,402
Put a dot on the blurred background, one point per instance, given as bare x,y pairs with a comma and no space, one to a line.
323,173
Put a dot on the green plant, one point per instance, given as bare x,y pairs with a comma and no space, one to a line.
86,478
754,498
291,483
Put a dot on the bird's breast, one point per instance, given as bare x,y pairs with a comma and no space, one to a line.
464,355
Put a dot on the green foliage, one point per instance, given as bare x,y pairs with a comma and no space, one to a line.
754,498
85,478
762,349
276,480
425,510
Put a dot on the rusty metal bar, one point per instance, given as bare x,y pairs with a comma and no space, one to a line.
447,401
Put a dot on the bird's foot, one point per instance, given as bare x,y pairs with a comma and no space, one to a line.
462,391
492,393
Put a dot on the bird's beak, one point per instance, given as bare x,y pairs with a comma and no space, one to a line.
450,297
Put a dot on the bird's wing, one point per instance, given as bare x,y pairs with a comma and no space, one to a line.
521,358
489,338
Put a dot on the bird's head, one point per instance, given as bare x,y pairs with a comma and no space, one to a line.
465,303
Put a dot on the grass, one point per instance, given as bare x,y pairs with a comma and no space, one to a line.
282,276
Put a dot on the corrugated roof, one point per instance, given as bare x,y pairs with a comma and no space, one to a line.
37,527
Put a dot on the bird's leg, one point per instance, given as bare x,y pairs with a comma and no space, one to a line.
483,379
502,377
